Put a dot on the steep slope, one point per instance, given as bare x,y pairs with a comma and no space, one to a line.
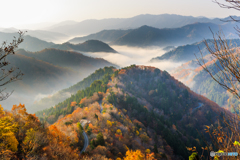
105,36
187,52
142,107
159,21
61,95
88,46
149,36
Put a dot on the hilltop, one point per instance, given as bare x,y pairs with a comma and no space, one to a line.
105,36
88,46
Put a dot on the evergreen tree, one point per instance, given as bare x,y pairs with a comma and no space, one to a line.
100,139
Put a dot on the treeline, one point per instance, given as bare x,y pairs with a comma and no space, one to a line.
86,82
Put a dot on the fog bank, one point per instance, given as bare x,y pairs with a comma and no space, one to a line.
132,55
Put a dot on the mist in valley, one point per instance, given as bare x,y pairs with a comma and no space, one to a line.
127,56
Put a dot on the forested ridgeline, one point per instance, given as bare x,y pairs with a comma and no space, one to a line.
145,103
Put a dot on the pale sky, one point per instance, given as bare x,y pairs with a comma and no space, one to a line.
18,12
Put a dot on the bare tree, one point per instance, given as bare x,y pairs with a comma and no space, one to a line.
9,74
225,56
226,73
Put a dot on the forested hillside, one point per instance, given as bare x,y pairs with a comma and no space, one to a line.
143,108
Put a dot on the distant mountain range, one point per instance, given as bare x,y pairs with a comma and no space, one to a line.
146,36
187,52
44,35
157,21
88,46
105,36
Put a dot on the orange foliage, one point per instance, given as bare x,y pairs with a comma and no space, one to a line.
122,71
73,104
82,100
90,125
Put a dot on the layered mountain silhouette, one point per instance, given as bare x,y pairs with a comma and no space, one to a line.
157,21
147,36
48,70
189,52
30,43
105,36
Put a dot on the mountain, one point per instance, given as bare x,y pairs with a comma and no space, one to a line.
29,43
40,34
88,46
65,69
63,23
150,36
68,59
193,75
136,107
105,36
39,77
158,21
48,36
187,52
34,44
61,95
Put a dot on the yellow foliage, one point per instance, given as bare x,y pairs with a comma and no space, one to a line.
147,151
7,130
119,132
134,155
1,110
10,142
109,123
137,133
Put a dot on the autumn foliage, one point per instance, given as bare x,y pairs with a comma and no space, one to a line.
22,135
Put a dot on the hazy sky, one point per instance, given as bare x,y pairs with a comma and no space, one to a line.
18,12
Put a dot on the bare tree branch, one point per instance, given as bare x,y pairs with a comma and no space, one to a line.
8,75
